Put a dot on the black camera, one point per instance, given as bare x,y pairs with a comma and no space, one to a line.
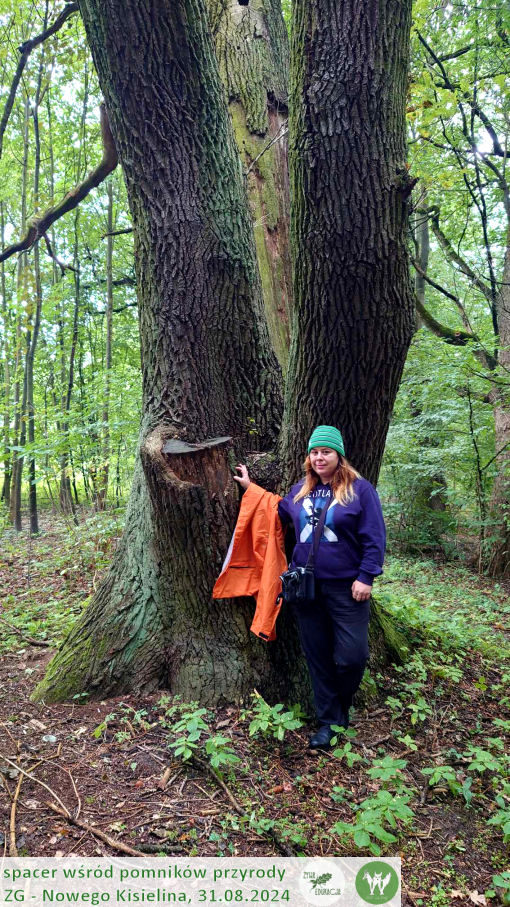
298,585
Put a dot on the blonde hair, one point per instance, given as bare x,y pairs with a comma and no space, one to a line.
341,483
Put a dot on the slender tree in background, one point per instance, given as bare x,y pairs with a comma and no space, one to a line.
104,470
68,361
6,370
208,369
354,305
33,331
22,293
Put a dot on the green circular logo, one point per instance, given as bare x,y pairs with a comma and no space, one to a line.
377,882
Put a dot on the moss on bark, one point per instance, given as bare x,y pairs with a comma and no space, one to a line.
252,50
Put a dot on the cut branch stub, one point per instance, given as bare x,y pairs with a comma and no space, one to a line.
176,446
192,482
208,467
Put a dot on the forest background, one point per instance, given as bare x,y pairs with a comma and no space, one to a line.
71,377
69,313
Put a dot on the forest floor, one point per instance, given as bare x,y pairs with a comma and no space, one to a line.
424,772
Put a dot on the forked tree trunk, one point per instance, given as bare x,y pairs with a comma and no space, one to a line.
208,372
353,302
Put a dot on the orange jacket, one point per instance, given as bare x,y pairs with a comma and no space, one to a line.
255,559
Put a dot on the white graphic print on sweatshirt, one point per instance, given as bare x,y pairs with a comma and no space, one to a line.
308,521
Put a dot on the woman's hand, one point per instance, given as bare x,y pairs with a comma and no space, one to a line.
360,591
244,479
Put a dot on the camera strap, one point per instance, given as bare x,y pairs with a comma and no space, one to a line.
318,531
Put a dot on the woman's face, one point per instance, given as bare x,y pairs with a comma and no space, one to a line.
324,462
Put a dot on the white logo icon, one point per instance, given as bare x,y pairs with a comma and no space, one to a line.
377,881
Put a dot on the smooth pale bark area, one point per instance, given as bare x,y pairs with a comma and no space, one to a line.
208,372
252,50
353,299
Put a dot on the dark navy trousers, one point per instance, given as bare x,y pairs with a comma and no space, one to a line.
334,635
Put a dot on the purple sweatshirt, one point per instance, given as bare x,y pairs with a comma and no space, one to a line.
354,535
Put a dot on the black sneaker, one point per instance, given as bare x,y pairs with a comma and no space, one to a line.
321,740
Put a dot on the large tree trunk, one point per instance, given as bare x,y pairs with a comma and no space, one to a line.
251,47
208,370
353,300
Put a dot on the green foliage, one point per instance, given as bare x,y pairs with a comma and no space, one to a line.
272,721
440,460
501,886
501,818
481,760
346,752
446,774
420,710
134,720
187,722
389,771
437,609
373,817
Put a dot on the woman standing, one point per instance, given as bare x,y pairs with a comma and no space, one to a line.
333,628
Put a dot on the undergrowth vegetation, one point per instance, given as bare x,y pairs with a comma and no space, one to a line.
443,756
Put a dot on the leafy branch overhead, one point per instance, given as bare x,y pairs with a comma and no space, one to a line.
25,50
39,225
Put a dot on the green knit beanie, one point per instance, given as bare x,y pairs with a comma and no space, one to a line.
327,436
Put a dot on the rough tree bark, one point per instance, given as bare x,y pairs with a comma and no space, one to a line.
353,299
208,371
252,50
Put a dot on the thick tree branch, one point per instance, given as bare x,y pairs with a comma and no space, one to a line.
120,282
25,50
455,53
40,225
117,232
455,338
